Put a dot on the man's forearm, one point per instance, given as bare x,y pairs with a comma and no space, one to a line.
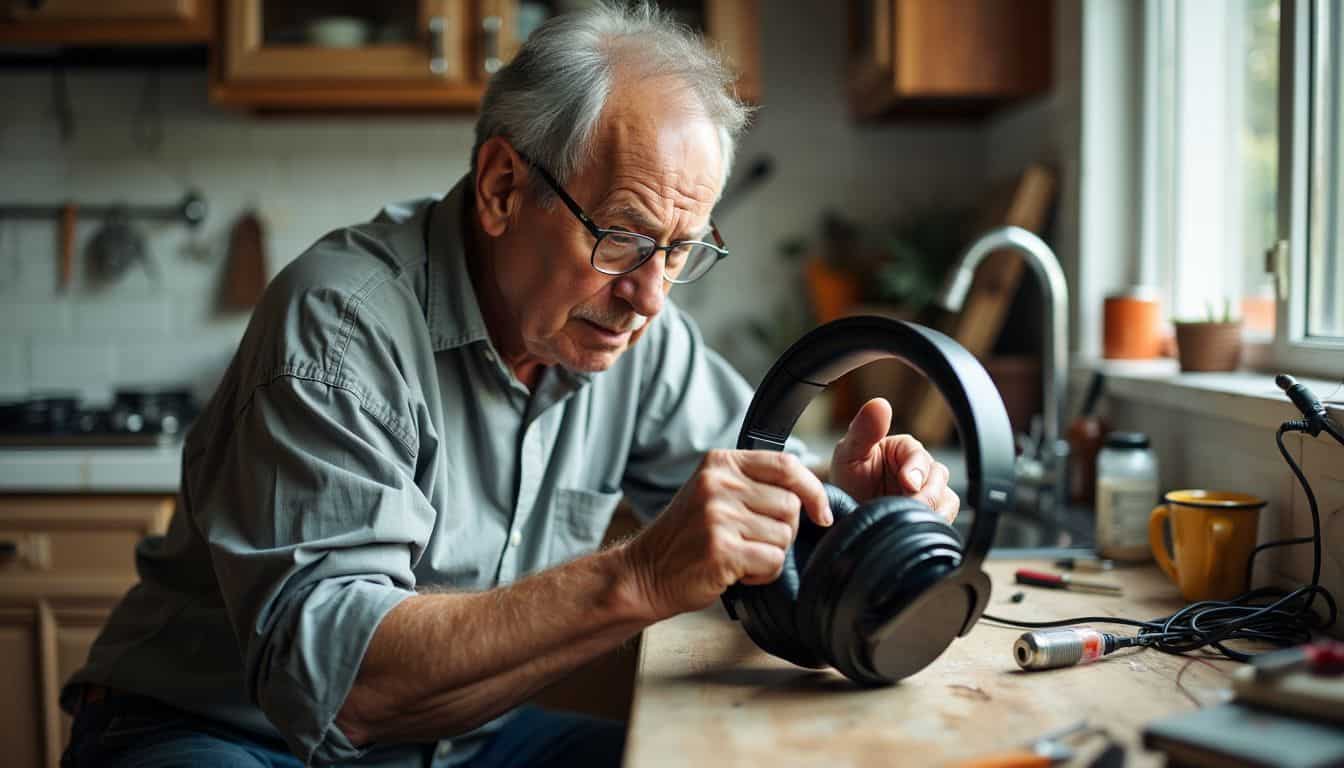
441,664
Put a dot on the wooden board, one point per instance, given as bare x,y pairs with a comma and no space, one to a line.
1026,203
707,696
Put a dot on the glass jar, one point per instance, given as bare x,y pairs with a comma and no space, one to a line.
1126,495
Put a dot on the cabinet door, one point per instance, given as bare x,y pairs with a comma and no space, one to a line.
125,22
947,56
21,717
41,645
313,41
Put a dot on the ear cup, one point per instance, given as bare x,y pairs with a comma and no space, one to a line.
842,533
769,608
864,548
911,553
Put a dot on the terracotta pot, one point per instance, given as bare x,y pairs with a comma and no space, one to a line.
1131,326
1209,346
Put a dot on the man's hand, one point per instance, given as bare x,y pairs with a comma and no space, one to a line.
868,463
732,521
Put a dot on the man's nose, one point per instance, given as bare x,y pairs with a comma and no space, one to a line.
643,288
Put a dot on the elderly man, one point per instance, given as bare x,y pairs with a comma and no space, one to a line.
385,539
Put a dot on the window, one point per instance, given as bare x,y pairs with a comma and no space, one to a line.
1324,278
1311,208
1211,157
1243,127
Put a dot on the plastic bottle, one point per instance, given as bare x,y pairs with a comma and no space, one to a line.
1126,494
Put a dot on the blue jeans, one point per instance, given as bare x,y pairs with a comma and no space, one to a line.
124,730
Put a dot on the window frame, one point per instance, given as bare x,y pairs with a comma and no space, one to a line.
1292,348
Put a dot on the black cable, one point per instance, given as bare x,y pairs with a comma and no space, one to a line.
1269,614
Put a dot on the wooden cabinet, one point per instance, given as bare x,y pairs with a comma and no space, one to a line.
408,54
125,22
65,561
947,57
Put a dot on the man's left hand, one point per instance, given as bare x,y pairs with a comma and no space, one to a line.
868,463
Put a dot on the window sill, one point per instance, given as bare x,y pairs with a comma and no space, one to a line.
1248,397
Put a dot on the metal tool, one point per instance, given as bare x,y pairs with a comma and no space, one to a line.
1063,581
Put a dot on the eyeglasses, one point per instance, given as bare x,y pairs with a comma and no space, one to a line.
618,251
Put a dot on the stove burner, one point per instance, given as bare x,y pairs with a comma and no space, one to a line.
135,417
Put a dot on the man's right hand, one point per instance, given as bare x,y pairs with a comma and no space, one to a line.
732,521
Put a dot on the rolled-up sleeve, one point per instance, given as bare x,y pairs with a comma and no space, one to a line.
315,528
692,401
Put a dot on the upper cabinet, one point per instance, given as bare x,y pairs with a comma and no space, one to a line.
99,22
309,54
947,57
408,54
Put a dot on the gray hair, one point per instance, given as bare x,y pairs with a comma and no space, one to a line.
548,100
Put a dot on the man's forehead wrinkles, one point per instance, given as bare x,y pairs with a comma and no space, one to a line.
629,213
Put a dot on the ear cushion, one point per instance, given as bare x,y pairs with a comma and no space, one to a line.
767,614
810,534
770,608
822,565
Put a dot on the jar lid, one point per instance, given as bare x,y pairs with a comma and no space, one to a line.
1127,440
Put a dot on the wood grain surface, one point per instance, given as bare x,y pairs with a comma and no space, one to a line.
706,695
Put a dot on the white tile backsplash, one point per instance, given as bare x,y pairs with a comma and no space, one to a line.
14,379
124,319
51,317
63,365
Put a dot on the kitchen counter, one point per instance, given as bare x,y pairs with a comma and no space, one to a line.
91,470
705,695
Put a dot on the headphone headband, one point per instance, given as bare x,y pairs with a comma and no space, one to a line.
830,351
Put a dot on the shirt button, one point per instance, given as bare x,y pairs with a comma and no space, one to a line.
445,748
515,538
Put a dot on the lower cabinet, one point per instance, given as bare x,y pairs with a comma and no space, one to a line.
65,561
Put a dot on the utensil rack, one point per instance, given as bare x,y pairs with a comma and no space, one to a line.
190,210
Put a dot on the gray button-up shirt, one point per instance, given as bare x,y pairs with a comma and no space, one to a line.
367,440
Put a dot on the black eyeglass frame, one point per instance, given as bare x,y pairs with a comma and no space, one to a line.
599,233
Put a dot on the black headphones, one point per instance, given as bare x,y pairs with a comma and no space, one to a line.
888,586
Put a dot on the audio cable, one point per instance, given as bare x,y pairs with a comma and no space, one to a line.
1271,614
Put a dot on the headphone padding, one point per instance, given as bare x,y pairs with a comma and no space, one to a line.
810,534
771,608
843,532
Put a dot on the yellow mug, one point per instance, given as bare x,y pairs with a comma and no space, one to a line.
1213,534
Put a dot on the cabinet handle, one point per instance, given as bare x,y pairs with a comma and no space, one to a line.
438,55
9,548
490,28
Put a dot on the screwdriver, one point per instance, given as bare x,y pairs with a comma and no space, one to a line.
1063,581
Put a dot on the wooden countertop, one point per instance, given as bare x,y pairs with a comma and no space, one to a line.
705,695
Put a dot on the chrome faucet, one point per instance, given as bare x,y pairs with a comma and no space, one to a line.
1044,461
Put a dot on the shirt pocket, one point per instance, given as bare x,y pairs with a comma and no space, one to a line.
583,517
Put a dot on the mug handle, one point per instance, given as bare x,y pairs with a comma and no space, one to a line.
1157,539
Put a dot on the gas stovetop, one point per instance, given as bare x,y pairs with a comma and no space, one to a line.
135,418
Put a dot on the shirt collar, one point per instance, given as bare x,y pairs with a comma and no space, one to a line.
453,313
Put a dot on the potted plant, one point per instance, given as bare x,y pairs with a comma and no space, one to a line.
1210,344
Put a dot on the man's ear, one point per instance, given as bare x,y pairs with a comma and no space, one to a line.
501,178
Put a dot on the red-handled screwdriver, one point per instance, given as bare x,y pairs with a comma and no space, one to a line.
1063,581
1323,657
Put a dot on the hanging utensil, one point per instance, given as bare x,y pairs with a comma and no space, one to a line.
115,247
66,238
245,274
